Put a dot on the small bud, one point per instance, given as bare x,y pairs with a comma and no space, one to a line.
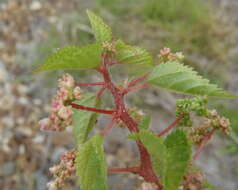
77,93
56,104
52,185
54,169
65,112
179,55
165,51
67,81
63,94
109,46
44,124
148,186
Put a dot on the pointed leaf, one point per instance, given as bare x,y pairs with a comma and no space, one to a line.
177,159
101,31
83,121
180,78
91,166
132,54
73,57
157,150
145,123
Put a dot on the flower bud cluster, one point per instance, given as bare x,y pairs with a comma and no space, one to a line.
166,55
61,112
63,171
218,122
136,114
213,121
198,134
193,181
185,106
148,186
110,47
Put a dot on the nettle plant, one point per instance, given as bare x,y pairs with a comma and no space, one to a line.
166,159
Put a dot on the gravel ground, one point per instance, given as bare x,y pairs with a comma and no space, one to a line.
26,153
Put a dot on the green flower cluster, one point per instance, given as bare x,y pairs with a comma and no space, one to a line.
198,105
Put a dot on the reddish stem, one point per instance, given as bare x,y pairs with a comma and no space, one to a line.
118,170
90,84
146,170
115,63
100,92
135,81
106,130
127,90
171,126
80,107
203,144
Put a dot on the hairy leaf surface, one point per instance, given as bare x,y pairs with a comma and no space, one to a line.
83,121
177,159
132,54
180,78
73,57
91,166
101,31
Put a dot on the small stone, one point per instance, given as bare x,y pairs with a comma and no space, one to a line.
35,6
22,149
38,139
7,169
23,101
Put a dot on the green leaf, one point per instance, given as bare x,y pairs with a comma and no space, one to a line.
145,123
91,166
177,159
157,150
101,31
132,54
83,121
73,57
180,78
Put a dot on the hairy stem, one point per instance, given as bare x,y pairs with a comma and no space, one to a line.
145,169
127,90
106,130
89,84
100,92
203,144
135,81
170,127
80,107
118,170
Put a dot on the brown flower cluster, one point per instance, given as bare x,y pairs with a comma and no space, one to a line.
213,122
193,181
110,47
63,171
61,112
219,122
166,55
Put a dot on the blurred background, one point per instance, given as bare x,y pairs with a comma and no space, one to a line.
205,31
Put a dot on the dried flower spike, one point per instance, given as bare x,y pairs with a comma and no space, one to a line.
61,112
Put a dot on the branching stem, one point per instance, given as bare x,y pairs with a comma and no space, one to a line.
106,130
100,92
135,81
127,90
90,84
118,170
145,169
80,107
